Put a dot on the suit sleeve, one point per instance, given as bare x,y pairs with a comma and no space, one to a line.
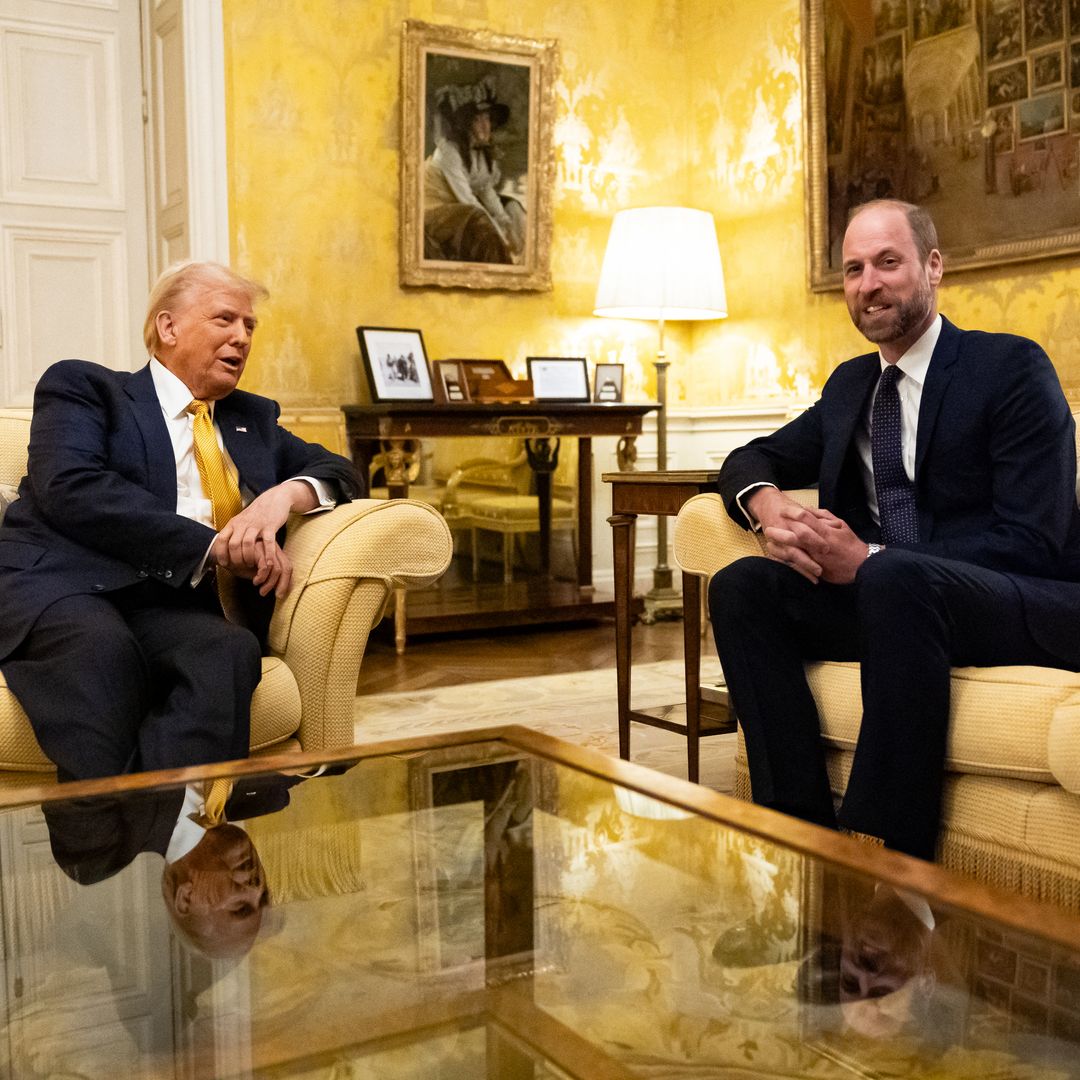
295,457
83,497
788,458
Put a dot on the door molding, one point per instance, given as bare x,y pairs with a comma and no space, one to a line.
204,78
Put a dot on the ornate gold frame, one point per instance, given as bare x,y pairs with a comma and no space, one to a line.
821,274
541,57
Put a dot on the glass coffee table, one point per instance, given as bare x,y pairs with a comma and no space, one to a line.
500,904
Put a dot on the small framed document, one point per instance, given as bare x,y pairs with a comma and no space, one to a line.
559,378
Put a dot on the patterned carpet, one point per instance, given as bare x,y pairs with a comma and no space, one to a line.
579,707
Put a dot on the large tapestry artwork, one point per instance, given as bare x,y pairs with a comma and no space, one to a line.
968,107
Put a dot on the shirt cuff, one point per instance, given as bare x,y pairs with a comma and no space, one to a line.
200,570
322,493
752,521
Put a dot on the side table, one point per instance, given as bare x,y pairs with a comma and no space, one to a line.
654,494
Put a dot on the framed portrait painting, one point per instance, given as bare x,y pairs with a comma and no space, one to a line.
477,164
967,108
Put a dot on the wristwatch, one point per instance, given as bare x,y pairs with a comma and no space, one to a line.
873,549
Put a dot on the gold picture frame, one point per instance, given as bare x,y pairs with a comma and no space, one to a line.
476,193
872,86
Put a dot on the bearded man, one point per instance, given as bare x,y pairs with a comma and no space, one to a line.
947,534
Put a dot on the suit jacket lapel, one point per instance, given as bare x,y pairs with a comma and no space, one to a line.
938,376
160,460
241,437
854,405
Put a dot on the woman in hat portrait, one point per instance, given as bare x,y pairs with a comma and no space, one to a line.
466,219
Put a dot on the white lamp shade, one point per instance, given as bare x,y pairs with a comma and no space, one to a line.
662,262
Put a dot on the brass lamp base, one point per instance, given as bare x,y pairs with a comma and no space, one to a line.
663,602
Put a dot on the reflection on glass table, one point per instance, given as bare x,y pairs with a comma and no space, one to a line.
499,904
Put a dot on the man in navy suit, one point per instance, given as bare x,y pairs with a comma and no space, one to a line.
954,541
112,635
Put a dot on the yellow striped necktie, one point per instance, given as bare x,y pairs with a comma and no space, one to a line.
218,482
220,486
215,795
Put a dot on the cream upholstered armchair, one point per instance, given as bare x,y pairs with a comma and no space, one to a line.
346,564
1012,795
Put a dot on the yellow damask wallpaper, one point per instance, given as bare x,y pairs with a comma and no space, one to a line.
313,93
661,101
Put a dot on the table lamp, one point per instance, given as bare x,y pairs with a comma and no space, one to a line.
662,263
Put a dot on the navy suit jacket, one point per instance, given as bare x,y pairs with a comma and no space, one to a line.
97,509
995,468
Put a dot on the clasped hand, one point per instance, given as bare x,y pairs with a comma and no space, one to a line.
248,547
813,542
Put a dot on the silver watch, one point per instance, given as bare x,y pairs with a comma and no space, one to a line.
873,549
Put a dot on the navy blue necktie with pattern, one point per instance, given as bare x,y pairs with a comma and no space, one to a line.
895,492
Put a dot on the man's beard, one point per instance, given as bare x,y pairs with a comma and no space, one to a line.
903,318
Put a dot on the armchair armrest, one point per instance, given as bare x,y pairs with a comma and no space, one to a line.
346,564
707,540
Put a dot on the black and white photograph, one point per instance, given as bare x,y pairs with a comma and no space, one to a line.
451,385
396,363
608,382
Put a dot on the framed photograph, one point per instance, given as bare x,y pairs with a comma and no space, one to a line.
1041,116
450,383
933,19
477,163
1002,40
1008,83
608,382
1044,22
870,133
559,378
396,363
1047,70
473,857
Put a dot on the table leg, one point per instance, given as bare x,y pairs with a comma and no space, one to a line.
584,521
622,539
399,619
399,455
691,585
543,458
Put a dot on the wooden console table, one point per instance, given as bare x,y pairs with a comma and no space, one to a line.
392,428
654,494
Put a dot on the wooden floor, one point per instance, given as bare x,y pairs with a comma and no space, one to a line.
452,659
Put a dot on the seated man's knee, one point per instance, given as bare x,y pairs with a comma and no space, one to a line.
742,583
891,577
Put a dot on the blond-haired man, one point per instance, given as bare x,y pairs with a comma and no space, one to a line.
116,560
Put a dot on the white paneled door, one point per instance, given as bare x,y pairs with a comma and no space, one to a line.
74,259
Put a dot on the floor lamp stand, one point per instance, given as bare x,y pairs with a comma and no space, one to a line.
663,601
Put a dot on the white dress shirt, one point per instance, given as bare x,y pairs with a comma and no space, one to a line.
914,364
